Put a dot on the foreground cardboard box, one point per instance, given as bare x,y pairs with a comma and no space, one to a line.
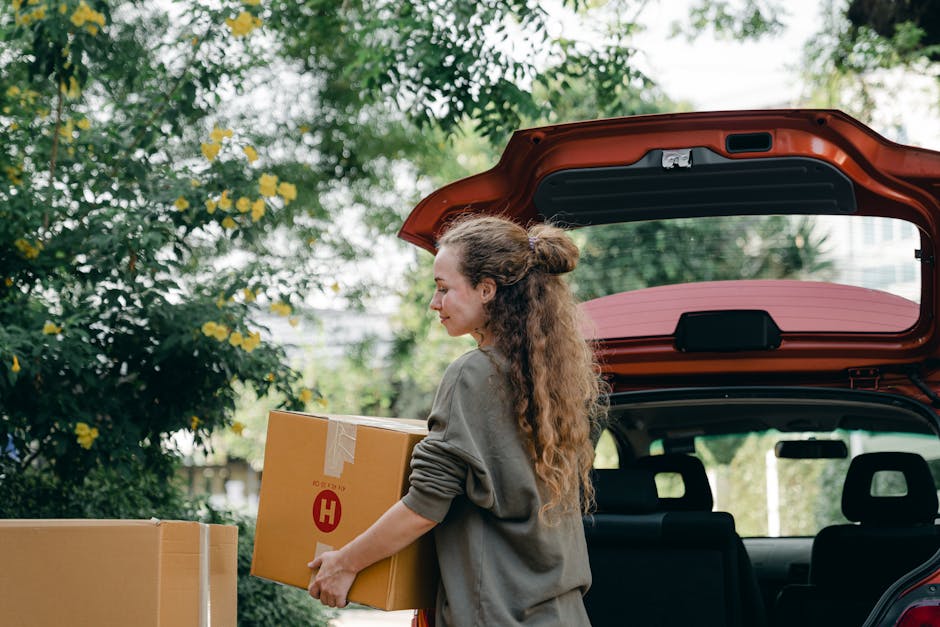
115,573
325,480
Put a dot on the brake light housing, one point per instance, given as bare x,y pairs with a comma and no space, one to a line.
920,616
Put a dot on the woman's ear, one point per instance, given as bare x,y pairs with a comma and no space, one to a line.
487,288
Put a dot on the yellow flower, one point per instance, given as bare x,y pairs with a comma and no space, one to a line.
249,295
16,364
27,250
251,342
269,377
243,24
288,192
8,282
15,174
13,90
293,321
220,332
66,131
194,423
211,205
51,329
229,223
322,402
210,151
253,3
237,427
225,203
243,204
251,153
85,435
85,13
236,339
218,134
304,129
194,183
208,328
268,185
257,210
39,13
306,396
181,203
84,124
73,90
281,309
335,287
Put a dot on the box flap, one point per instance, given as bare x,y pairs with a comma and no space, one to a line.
407,425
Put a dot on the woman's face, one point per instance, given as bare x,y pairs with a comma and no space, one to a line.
459,304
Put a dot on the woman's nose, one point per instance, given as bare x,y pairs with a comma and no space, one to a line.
435,303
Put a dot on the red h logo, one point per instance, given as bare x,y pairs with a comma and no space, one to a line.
327,511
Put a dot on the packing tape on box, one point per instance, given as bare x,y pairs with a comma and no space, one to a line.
340,447
205,599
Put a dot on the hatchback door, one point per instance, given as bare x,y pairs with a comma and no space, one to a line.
744,165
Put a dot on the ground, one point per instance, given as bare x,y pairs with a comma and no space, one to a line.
373,618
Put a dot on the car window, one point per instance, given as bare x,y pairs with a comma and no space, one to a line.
862,251
605,453
774,497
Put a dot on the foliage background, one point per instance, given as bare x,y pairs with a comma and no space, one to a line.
145,243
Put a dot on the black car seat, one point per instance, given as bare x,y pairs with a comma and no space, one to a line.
697,497
853,564
657,568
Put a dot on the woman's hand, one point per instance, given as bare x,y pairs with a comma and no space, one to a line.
333,579
336,570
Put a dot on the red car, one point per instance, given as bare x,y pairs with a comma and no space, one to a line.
762,290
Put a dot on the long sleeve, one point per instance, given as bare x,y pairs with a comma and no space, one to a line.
447,462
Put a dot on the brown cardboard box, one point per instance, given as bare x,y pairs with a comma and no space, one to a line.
103,573
327,479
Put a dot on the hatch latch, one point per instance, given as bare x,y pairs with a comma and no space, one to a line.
681,158
864,378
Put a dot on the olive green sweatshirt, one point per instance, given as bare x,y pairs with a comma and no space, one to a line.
500,565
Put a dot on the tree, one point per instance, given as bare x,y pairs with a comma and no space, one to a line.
174,169
846,62
124,191
449,63
630,256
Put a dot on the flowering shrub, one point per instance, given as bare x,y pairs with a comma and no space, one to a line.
124,200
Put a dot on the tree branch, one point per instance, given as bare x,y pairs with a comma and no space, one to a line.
60,103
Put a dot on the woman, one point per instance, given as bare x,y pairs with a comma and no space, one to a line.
503,475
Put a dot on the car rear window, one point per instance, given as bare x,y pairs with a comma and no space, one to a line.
774,497
875,253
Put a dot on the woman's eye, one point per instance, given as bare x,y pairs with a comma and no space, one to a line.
442,290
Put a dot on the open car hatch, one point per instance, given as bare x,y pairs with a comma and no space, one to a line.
821,164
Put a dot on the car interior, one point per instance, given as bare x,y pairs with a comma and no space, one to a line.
759,506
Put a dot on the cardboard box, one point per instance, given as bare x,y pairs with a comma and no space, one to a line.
103,573
326,479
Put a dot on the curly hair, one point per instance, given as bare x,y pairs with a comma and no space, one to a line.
554,380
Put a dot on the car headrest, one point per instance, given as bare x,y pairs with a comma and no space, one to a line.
918,505
624,491
697,495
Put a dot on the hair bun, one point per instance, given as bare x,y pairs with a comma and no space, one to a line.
552,249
